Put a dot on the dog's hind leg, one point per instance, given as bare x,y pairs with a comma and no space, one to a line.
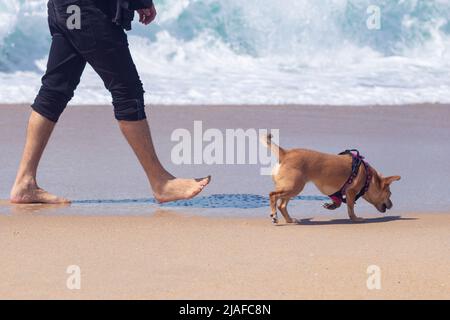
283,209
274,199
289,182
274,196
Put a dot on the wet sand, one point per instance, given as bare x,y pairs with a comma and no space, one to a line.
225,246
173,256
88,159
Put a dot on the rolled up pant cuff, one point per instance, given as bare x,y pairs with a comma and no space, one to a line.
45,112
130,110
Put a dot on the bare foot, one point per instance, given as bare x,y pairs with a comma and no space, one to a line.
357,219
180,189
30,193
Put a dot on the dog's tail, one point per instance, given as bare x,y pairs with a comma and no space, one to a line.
276,149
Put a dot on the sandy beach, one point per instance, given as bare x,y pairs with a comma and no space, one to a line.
128,248
172,256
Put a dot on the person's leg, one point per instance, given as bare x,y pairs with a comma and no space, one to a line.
64,70
25,189
126,89
119,73
112,60
165,186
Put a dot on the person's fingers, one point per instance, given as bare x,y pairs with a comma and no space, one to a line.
147,12
150,16
147,15
141,15
149,19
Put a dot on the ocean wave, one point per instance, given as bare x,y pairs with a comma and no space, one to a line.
257,52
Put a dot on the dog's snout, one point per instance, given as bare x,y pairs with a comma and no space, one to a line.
389,205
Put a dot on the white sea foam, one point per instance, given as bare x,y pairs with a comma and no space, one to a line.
257,52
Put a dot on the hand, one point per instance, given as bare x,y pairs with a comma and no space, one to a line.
147,15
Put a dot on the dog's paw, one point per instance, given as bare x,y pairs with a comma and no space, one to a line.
275,220
330,206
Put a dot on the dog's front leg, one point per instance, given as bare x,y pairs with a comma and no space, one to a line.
350,196
332,206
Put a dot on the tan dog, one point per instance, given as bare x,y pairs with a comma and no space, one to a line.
329,173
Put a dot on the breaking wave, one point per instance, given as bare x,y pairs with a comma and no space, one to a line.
257,52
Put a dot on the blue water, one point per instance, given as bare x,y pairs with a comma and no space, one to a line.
257,51
236,201
216,205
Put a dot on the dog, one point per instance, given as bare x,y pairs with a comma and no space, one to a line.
346,177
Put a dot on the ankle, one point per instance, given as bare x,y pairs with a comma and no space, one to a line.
26,181
160,180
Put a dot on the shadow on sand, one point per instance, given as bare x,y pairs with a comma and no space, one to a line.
310,222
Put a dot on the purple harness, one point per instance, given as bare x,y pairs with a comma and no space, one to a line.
339,196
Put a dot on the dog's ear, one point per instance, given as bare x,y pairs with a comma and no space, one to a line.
388,180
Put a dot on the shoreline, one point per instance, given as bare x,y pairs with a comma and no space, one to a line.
87,148
298,211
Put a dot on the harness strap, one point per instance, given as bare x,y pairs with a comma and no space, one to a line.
357,160
367,183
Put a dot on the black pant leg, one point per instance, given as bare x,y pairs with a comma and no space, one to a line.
64,69
104,46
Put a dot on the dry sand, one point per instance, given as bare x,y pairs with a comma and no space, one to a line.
173,256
